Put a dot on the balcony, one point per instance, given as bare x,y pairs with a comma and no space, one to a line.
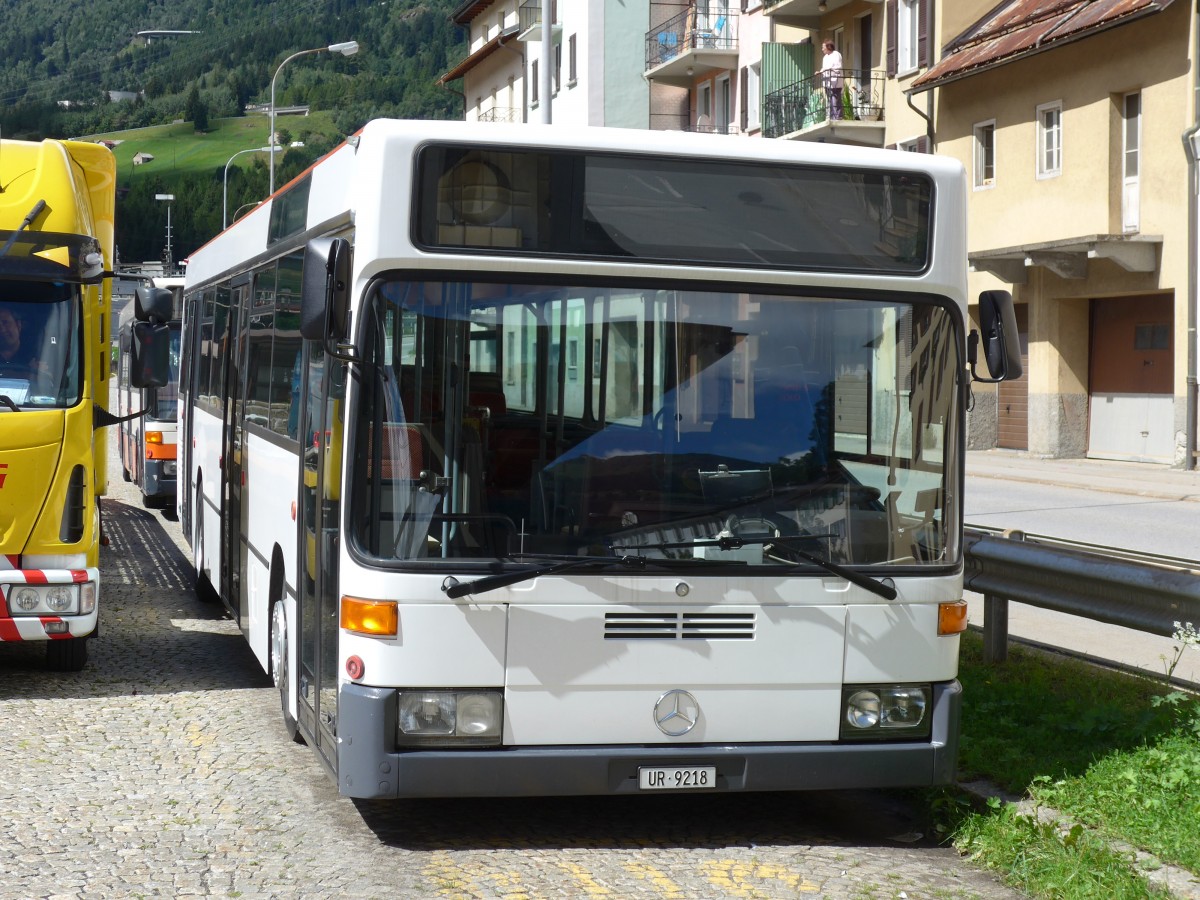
799,111
500,114
529,18
688,45
800,13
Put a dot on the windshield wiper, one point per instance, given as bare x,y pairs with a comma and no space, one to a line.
8,401
732,542
25,223
457,589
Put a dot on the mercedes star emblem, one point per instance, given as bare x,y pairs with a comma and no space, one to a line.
676,713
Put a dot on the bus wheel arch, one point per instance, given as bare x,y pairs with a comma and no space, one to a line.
279,646
205,592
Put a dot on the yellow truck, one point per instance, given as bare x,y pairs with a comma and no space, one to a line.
57,206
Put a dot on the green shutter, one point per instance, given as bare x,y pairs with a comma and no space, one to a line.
786,66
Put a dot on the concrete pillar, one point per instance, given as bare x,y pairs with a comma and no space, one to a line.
1059,340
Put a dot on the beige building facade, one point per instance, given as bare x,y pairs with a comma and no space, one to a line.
1072,136
1072,118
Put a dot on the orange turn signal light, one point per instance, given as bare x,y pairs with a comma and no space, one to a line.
952,617
375,617
154,437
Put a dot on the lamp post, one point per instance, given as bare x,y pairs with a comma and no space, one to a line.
346,48
169,198
273,149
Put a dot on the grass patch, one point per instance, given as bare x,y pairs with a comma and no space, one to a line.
1149,797
179,150
1044,861
1117,756
1040,714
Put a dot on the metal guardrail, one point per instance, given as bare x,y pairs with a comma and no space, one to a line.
1143,591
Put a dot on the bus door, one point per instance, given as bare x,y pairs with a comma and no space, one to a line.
320,492
188,394
233,454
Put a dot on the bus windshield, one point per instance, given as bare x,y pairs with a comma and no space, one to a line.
500,420
40,345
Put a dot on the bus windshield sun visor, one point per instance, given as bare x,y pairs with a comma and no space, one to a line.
48,256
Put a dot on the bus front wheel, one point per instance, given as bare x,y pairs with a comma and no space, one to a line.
280,673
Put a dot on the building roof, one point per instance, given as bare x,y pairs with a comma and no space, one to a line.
468,10
486,50
1019,28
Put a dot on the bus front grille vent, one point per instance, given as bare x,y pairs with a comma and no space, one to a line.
668,626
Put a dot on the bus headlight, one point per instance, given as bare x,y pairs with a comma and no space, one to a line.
450,718
879,712
49,599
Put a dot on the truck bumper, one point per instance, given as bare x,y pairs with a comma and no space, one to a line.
42,625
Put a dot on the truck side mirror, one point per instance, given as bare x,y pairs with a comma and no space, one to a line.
998,333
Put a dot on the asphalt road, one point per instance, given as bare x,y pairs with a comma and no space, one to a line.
162,770
1145,523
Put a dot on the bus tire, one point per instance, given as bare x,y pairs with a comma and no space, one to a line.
280,671
205,592
67,655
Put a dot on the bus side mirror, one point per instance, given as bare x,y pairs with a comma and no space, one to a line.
152,304
325,290
1001,343
150,353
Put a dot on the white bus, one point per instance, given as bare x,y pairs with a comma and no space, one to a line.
146,443
547,461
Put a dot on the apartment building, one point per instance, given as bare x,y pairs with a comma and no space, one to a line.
1075,121
1069,117
594,64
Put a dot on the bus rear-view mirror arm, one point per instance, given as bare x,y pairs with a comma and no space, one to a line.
325,296
1001,343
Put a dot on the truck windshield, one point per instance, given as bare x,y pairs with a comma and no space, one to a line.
40,345
508,420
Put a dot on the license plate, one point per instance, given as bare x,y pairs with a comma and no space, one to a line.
677,778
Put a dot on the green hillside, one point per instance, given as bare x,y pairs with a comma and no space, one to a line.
194,95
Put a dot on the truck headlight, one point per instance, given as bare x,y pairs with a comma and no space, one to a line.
880,712
49,599
450,718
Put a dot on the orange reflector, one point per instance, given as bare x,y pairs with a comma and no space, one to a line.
952,617
370,616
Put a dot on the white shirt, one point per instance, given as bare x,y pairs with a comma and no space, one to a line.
832,60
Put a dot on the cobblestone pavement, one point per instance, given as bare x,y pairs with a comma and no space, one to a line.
162,770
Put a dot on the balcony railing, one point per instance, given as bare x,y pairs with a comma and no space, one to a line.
803,104
727,128
696,28
529,14
500,114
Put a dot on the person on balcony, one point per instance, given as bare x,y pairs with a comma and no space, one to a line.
831,80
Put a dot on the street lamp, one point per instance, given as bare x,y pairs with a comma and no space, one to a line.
346,48
169,198
275,148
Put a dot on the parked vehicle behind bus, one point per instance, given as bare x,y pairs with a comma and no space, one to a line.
536,460
56,251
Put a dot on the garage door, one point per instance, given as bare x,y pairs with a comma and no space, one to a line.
1131,379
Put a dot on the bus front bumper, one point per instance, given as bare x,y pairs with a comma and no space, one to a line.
367,769
35,589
